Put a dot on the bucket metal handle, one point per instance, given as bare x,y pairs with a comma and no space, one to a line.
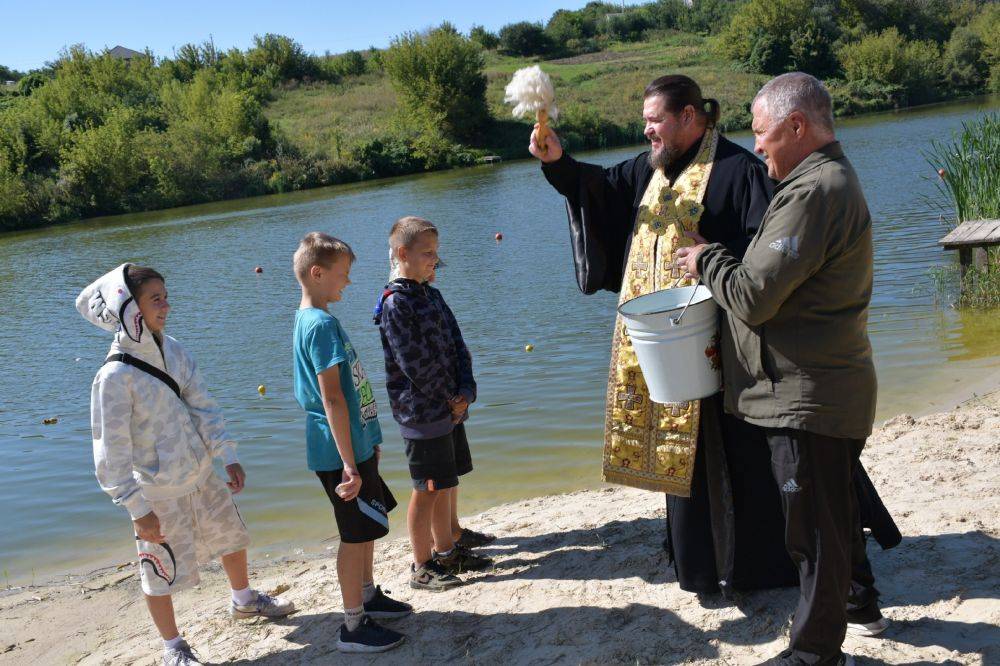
676,321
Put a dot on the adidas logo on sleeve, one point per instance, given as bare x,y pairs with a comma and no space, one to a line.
786,246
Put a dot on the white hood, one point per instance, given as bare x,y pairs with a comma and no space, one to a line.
108,303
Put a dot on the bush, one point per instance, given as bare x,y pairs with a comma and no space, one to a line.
439,79
665,14
27,84
283,55
708,16
524,39
342,66
101,169
380,157
856,97
776,36
890,59
914,19
484,37
625,27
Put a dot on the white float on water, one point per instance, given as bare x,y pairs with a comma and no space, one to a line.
674,335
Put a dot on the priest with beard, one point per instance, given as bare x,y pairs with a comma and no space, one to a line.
725,528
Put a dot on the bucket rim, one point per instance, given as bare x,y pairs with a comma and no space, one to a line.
697,301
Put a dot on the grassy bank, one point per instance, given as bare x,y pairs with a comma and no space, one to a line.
599,96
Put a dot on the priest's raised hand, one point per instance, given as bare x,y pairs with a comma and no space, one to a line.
551,151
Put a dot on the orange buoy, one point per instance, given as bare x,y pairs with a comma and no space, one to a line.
259,269
499,236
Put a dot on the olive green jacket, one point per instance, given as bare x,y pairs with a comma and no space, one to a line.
798,355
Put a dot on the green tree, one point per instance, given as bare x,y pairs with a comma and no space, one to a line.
914,19
775,36
8,74
986,26
189,58
524,39
964,66
440,81
484,37
566,25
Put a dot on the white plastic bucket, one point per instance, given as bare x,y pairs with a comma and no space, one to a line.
678,354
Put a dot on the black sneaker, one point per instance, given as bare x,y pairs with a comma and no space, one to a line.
786,658
368,637
432,576
473,539
384,608
866,622
461,559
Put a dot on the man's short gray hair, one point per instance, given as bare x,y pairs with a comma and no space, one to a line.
797,91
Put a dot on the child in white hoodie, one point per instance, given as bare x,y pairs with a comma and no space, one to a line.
155,432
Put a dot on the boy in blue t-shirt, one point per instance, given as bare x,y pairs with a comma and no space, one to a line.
342,440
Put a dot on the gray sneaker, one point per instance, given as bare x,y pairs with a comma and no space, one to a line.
460,560
261,605
432,576
182,655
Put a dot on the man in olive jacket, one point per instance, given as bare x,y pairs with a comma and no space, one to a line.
799,363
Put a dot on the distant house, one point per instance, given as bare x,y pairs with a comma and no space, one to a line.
122,53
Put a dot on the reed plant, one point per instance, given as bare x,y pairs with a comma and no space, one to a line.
969,176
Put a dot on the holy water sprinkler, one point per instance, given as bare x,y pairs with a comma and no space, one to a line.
531,92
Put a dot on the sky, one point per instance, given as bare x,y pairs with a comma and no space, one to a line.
32,32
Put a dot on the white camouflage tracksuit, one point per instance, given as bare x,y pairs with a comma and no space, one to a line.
153,451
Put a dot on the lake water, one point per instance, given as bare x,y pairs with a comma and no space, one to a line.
537,428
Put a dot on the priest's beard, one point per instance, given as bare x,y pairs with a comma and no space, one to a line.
664,157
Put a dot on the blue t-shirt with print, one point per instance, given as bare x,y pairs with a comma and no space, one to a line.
320,343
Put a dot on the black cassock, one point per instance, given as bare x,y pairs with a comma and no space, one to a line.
729,533
731,528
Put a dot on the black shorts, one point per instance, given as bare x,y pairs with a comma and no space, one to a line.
366,517
436,463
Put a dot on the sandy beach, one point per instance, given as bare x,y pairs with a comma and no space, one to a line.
581,578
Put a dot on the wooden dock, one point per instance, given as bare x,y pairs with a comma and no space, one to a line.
972,239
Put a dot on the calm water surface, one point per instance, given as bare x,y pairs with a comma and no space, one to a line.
537,427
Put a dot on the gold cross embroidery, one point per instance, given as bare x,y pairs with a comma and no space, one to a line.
678,408
629,398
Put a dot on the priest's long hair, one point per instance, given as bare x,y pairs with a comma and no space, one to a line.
679,91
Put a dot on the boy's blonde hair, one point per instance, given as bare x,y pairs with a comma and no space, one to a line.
403,234
406,229
319,249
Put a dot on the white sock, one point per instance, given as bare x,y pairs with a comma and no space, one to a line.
368,591
173,642
352,617
243,597
446,553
